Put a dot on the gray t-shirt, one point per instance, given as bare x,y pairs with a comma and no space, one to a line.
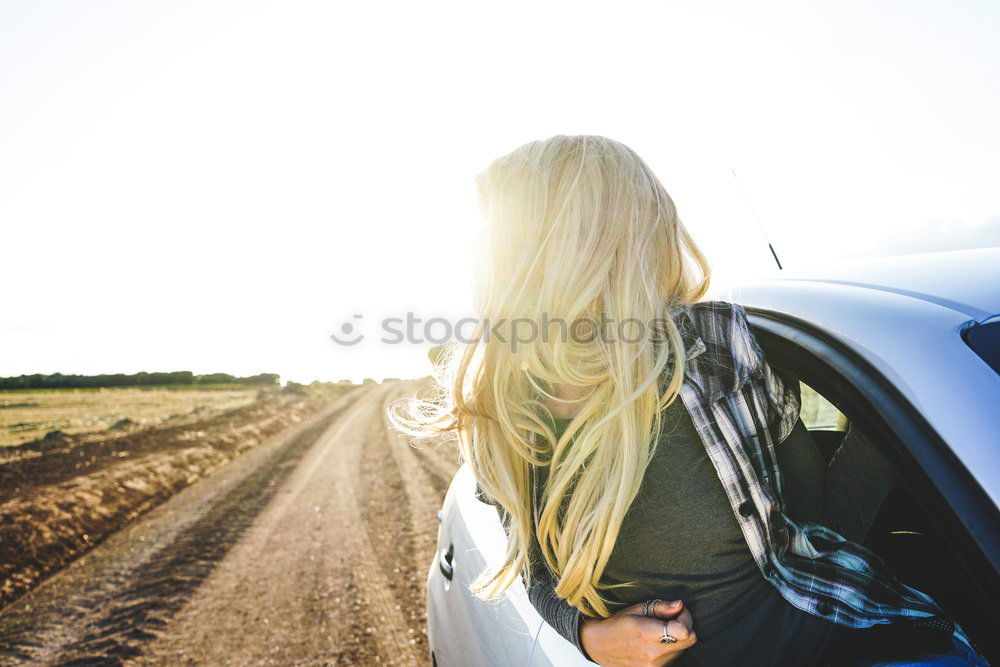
680,541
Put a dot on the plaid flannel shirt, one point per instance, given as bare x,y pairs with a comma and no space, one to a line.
742,409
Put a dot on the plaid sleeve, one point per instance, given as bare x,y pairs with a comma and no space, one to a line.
561,615
781,389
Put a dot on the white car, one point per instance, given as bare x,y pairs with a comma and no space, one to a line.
906,347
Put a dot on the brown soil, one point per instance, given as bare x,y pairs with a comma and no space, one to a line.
69,456
312,548
57,506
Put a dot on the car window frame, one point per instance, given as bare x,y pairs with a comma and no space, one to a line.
963,513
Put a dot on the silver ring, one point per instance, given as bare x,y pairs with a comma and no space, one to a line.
645,607
667,639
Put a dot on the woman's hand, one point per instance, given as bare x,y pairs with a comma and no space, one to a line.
629,639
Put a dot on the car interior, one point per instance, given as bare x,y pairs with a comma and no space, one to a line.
902,534
915,530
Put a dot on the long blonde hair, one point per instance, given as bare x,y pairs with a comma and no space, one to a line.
580,230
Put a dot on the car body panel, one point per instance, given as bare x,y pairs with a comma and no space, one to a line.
962,280
474,528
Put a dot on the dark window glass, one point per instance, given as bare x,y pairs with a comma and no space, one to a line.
984,339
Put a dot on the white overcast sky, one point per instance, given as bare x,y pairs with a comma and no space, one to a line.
217,186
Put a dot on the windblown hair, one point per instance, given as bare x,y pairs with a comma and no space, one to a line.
580,230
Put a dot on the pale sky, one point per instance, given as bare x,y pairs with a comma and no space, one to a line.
217,186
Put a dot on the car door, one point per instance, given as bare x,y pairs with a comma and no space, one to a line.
464,630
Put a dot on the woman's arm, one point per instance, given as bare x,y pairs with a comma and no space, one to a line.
557,612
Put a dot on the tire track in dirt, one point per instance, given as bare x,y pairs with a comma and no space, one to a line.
439,460
421,483
403,534
391,629
386,517
439,471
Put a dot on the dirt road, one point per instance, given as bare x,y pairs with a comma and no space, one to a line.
310,549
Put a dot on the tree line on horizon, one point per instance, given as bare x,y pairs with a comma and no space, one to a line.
143,379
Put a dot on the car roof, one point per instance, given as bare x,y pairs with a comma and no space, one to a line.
904,315
963,280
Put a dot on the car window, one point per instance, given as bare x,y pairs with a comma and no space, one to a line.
819,414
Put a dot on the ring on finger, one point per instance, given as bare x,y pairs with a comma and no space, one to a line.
666,638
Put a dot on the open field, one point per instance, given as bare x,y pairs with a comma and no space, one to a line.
31,414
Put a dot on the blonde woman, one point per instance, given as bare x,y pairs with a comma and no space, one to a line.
638,446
